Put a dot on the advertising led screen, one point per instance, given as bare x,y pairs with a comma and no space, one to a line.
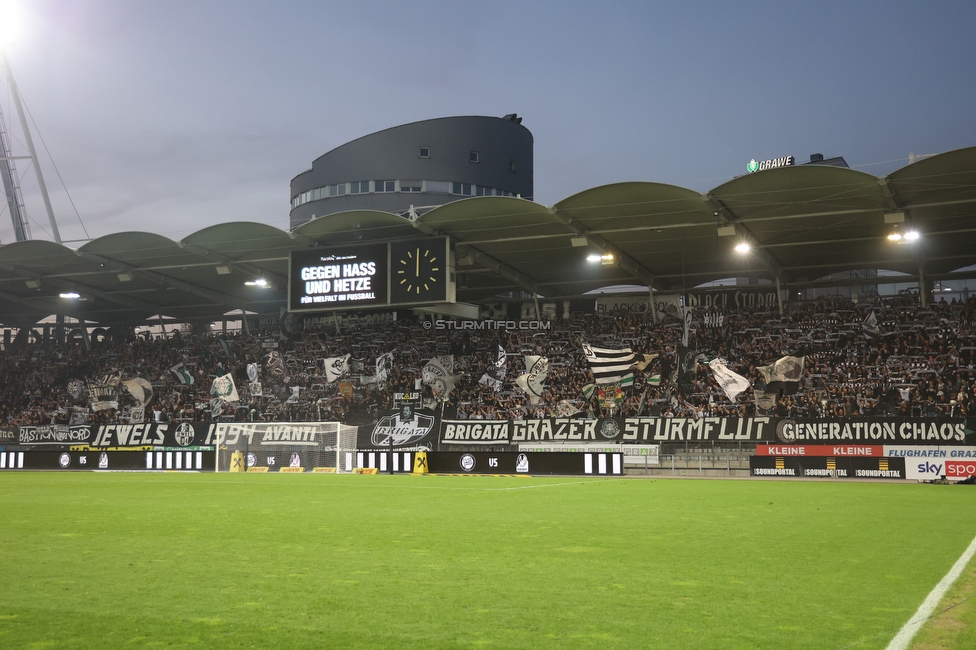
354,276
339,277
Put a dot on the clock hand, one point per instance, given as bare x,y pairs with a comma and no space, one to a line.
418,262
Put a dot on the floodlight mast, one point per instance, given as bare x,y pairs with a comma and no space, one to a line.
33,153
11,186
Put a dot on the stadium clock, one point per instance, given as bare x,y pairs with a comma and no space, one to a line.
418,271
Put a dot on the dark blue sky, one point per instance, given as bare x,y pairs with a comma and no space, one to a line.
171,116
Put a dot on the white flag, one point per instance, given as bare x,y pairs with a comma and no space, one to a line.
731,382
784,369
384,364
140,389
224,388
336,367
440,380
532,382
870,324
566,409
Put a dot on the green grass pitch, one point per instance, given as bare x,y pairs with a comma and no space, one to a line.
91,560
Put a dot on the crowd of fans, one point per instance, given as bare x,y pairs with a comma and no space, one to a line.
917,361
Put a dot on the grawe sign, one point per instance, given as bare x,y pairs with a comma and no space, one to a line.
760,165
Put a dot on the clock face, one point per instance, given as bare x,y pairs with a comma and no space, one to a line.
418,271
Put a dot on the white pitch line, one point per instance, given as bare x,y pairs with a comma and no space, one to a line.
530,487
914,624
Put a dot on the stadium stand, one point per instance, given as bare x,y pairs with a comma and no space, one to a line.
918,363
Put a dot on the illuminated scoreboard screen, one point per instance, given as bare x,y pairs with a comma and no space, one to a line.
409,272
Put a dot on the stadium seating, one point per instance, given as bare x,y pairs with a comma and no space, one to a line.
919,363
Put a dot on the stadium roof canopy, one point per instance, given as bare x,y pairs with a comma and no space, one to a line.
803,222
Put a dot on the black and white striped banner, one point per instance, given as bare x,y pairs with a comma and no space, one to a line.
610,366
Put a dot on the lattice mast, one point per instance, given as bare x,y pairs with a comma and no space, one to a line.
11,184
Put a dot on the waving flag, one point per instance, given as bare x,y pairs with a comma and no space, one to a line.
224,388
610,366
786,369
438,377
730,382
336,367
182,374
384,364
140,389
495,376
532,382
870,325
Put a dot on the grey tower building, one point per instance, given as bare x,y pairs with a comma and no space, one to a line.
422,164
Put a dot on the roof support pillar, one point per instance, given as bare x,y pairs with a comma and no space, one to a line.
84,333
650,297
923,286
779,296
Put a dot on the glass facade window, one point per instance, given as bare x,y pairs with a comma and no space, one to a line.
405,186
425,152
511,165
474,156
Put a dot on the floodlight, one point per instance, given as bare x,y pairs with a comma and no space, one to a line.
742,247
10,21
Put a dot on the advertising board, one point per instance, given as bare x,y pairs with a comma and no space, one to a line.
355,276
827,467
528,463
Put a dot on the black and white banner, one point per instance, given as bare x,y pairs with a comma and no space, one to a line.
884,431
152,434
405,428
55,434
610,366
654,429
9,435
879,431
252,435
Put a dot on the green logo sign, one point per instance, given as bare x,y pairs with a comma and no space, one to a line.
752,166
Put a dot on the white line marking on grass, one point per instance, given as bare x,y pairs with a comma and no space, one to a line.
914,624
529,487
